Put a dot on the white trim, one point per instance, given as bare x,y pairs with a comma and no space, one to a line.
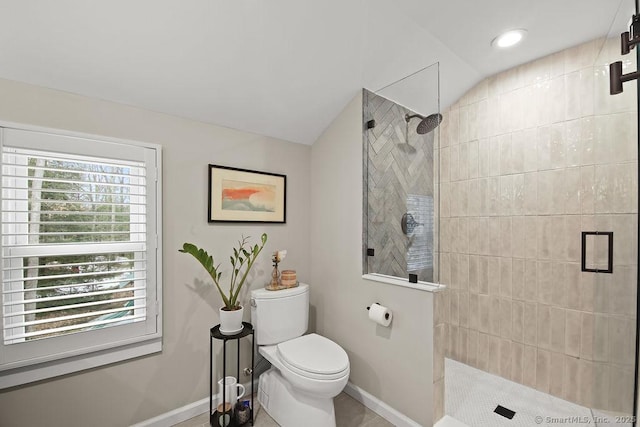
178,415
76,134
201,406
390,414
145,338
187,412
391,280
69,365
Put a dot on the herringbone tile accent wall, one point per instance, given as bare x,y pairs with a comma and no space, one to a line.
399,179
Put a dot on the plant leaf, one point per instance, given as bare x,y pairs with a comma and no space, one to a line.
238,277
207,262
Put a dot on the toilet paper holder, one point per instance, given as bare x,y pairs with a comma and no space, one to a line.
386,315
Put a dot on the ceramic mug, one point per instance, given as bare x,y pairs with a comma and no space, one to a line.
233,391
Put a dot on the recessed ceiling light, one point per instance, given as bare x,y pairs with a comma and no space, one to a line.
509,38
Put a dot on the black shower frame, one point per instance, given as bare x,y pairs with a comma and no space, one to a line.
635,379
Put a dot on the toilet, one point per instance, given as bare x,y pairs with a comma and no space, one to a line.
307,371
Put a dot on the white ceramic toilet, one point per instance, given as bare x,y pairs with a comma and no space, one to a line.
307,371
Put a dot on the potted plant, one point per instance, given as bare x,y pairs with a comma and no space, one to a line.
241,262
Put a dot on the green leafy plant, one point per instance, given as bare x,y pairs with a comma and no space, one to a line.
241,262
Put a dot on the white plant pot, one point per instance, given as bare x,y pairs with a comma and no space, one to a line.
231,321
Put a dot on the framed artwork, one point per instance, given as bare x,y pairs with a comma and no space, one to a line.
242,195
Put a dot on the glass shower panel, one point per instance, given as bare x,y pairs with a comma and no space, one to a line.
608,356
400,139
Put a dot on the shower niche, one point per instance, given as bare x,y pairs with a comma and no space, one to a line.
400,140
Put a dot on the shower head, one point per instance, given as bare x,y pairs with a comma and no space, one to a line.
427,124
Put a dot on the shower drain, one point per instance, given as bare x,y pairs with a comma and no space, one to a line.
505,412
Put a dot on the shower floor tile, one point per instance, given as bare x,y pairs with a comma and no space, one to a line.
471,395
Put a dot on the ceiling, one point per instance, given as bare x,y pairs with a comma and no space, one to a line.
282,68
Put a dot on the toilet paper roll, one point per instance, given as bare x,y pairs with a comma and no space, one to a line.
380,314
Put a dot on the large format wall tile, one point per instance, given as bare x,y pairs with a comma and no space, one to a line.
530,158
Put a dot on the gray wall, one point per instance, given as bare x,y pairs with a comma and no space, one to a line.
132,391
394,364
529,159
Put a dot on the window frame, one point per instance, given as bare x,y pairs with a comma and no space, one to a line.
106,345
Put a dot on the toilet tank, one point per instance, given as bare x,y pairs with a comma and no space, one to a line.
278,316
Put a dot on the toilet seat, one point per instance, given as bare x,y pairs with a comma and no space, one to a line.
314,356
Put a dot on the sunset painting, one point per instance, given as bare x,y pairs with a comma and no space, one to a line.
242,195
246,196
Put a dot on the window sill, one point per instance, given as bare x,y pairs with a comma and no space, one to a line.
421,286
69,365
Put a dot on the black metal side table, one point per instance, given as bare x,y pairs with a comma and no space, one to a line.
216,334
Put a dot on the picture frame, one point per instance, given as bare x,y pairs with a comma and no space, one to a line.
243,195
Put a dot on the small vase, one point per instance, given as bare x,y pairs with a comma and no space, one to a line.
231,321
274,284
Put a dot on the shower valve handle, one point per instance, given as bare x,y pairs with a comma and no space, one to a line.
408,223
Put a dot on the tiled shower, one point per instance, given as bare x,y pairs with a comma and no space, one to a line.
530,158
523,163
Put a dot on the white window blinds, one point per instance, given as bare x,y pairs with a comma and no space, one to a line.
73,243
78,243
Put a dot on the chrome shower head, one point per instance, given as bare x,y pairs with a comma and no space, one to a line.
427,124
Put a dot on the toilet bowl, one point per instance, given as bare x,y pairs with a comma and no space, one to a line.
313,364
307,371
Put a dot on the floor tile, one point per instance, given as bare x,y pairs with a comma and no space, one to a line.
198,421
471,395
349,413
376,421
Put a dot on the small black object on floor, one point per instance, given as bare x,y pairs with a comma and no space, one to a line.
505,412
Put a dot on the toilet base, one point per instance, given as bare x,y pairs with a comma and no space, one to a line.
291,408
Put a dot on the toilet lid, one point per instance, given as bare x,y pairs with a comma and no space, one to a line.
314,353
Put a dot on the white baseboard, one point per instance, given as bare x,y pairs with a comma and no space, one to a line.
176,416
394,416
186,412
194,409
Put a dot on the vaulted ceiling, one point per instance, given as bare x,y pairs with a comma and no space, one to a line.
282,68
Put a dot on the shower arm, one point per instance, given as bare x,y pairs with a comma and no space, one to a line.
408,117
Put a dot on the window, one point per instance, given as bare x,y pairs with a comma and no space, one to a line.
80,257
